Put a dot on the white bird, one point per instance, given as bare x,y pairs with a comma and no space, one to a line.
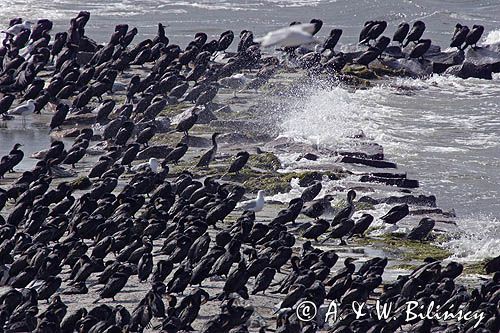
152,164
255,205
291,36
22,110
235,82
17,28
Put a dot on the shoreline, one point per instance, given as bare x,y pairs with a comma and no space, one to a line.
248,121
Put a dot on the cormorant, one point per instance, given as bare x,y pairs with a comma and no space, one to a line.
209,155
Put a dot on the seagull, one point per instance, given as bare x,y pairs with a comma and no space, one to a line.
255,205
17,28
26,108
291,36
152,164
235,82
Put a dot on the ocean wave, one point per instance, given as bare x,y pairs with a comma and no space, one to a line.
477,240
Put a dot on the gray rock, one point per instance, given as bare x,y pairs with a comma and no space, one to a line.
442,61
484,56
159,151
394,51
413,67
468,70
162,125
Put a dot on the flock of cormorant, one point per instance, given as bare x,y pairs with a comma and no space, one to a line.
104,234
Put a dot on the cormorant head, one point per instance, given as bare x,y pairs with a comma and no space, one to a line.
351,195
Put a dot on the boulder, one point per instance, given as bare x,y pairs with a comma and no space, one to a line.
484,56
159,151
444,60
413,67
468,70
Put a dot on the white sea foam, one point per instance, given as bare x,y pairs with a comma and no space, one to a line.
477,240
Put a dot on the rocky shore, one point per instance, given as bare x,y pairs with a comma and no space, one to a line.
247,119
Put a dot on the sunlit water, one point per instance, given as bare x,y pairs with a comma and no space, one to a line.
445,132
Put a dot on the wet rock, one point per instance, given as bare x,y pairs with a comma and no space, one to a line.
411,67
442,61
82,183
162,124
433,50
308,156
399,182
365,150
394,52
468,70
159,151
81,119
65,133
484,56
421,200
368,162
206,116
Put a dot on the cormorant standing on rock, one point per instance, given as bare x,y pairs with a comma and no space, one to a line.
416,33
209,156
400,34
238,164
395,214
473,36
420,48
423,229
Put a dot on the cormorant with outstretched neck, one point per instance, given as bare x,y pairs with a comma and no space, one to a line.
347,211
209,155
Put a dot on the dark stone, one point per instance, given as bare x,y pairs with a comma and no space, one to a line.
308,156
309,178
484,56
468,70
399,182
442,61
394,52
421,200
160,151
372,163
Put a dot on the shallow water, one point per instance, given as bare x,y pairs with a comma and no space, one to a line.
444,131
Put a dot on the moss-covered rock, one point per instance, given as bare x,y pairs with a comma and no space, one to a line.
82,183
265,161
360,71
474,268
175,109
406,249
